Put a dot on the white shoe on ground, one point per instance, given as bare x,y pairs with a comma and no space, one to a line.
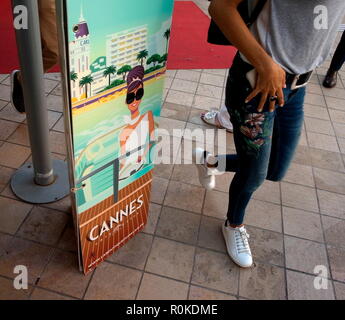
237,245
206,175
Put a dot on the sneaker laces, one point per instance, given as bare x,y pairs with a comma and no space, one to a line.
242,244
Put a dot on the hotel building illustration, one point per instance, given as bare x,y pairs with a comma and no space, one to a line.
122,48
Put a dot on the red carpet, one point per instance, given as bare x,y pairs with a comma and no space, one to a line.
188,47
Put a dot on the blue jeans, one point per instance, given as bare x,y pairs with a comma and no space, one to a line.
265,141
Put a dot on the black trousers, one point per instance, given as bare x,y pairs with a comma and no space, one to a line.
339,55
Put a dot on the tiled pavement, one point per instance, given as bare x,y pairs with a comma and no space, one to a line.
294,225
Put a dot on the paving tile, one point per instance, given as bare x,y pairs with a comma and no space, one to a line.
216,204
316,112
335,103
268,191
26,253
5,92
326,160
55,103
212,79
53,76
334,92
339,290
329,180
304,255
20,136
209,91
302,156
8,292
263,282
13,155
300,174
331,204
5,176
299,197
5,240
210,234
203,103
301,287
341,142
59,125
223,182
7,128
9,113
154,212
184,196
337,116
171,259
167,82
3,77
220,72
302,224
63,276
339,129
41,294
334,230
50,84
215,271
315,99
69,240
187,173
322,141
314,88
264,215
175,111
63,205
178,97
111,282
197,293
43,225
184,85
174,127
319,126
158,288
134,253
337,262
171,73
12,214
303,141
188,225
163,170
189,75
159,187
266,246
57,142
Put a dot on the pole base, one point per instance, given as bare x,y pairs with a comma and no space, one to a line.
25,188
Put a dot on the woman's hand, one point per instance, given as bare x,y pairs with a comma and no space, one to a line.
270,83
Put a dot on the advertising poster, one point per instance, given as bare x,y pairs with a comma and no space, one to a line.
115,61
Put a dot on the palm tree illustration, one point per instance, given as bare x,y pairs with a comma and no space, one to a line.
73,76
124,70
108,72
167,37
142,55
164,59
84,82
156,58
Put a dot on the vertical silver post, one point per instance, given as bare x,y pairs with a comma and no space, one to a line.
42,173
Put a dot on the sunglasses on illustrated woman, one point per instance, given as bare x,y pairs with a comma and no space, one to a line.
132,96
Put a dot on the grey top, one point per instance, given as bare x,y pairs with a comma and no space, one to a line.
286,29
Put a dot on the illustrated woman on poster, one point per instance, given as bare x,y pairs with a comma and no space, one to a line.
139,129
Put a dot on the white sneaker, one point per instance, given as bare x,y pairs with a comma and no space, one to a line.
206,175
236,240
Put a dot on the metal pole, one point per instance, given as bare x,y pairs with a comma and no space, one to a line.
41,173
30,56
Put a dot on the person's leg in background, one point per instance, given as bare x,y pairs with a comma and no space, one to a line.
336,64
50,50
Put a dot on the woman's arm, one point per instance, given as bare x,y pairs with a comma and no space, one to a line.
271,77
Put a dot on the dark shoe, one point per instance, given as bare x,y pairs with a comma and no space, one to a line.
17,96
330,79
